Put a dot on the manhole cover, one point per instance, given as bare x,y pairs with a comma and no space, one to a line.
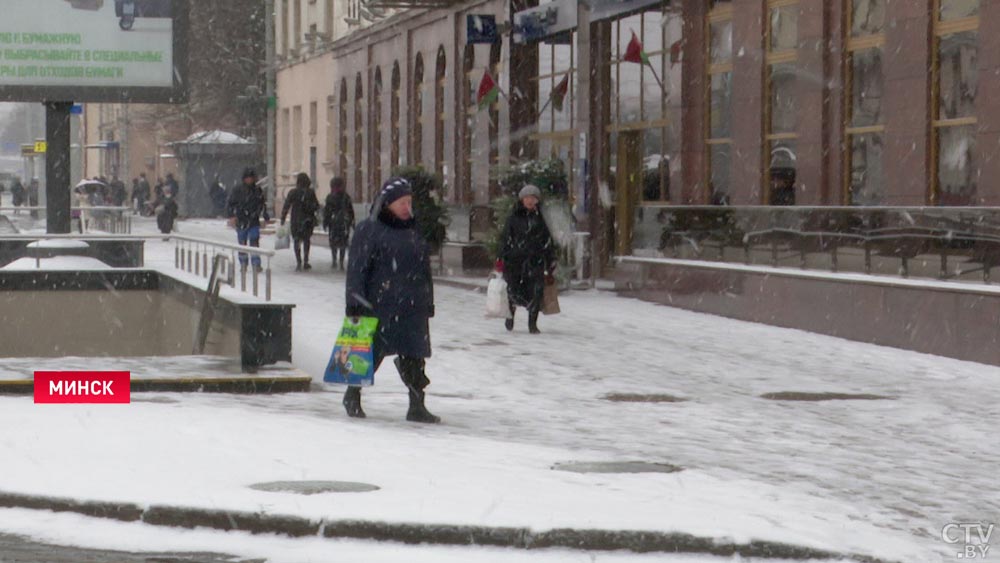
641,398
616,467
800,396
314,487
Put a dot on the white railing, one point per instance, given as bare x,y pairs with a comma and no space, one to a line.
195,256
102,218
192,255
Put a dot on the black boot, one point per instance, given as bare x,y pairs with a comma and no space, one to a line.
509,323
411,371
352,402
533,322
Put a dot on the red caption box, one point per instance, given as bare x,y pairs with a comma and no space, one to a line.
102,387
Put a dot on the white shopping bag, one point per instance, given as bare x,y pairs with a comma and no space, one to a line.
496,298
282,241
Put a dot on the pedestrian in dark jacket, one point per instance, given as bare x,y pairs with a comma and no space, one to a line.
217,193
338,220
17,193
526,256
141,194
171,183
302,202
389,277
166,212
118,192
33,197
244,207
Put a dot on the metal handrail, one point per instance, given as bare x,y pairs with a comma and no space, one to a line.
191,254
123,222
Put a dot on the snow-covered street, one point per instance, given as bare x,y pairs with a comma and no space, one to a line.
876,477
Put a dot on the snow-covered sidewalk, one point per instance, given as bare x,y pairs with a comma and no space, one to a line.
879,477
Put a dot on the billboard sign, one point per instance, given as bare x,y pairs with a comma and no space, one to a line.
93,51
547,20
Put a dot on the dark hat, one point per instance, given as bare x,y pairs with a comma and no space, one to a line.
249,173
394,189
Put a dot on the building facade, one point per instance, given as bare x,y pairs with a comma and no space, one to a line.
734,102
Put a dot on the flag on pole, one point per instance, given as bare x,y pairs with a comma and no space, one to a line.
634,52
559,93
488,91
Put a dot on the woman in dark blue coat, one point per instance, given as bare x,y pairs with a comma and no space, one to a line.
389,277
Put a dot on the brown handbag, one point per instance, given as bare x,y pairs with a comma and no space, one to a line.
550,301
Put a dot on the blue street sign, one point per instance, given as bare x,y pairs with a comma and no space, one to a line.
481,28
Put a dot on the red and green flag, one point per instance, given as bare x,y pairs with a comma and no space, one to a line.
488,91
559,93
634,52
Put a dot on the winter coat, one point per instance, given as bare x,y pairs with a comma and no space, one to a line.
302,202
338,218
389,277
118,193
246,204
142,193
217,193
166,212
527,251
17,191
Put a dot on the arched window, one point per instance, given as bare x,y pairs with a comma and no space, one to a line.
359,137
467,125
394,118
494,115
439,83
377,131
344,141
417,132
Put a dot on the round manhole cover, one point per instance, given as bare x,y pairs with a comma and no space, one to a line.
314,487
803,396
616,467
642,398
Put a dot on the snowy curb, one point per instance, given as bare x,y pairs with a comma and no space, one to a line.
440,534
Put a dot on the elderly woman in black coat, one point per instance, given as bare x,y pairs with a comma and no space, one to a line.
389,277
526,256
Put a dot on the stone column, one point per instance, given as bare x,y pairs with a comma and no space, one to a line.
748,102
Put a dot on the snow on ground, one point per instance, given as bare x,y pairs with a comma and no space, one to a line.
878,477
99,534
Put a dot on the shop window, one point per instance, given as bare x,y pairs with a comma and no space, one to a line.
720,94
417,134
377,130
359,139
780,133
954,85
394,118
864,126
439,114
342,121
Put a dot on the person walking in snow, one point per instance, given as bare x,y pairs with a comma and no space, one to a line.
389,277
526,256
338,220
244,207
302,202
